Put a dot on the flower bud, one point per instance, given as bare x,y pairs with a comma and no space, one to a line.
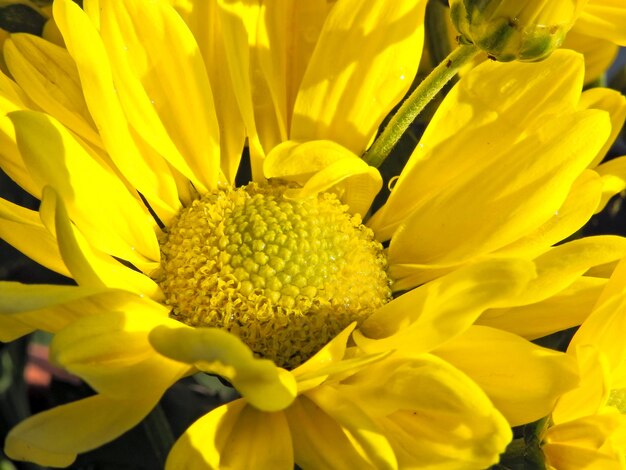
526,30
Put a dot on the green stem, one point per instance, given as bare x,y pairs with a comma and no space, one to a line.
515,451
416,102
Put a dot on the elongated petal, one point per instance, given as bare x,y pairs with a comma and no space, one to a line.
88,265
613,174
97,201
147,172
564,310
163,85
429,315
48,74
234,436
264,385
583,200
371,51
12,328
492,107
203,20
10,158
239,21
615,104
322,166
52,308
604,19
615,286
52,438
559,267
358,425
111,352
202,443
313,371
20,226
523,380
591,394
319,441
599,53
603,328
290,29
433,415
584,442
511,198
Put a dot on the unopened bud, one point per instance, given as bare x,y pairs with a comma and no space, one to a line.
526,30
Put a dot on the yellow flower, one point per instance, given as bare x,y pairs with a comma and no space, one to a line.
588,425
137,116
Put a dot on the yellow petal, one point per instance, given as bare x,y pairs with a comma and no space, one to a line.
371,52
10,158
322,166
147,172
203,20
433,415
604,19
320,442
329,362
202,443
427,316
616,282
92,9
599,53
88,265
615,104
97,201
567,309
20,227
264,385
490,108
562,456
523,380
312,372
559,267
52,308
584,443
54,437
239,22
286,37
581,203
357,425
11,328
603,329
163,85
111,352
511,198
613,174
593,390
234,436
46,307
48,74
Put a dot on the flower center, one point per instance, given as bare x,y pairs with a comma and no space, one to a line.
617,398
283,275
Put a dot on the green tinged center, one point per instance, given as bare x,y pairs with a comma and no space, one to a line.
283,275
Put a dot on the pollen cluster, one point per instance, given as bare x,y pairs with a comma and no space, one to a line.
283,275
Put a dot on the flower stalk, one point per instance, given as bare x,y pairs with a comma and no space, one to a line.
416,102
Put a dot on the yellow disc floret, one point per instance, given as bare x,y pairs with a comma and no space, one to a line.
284,275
